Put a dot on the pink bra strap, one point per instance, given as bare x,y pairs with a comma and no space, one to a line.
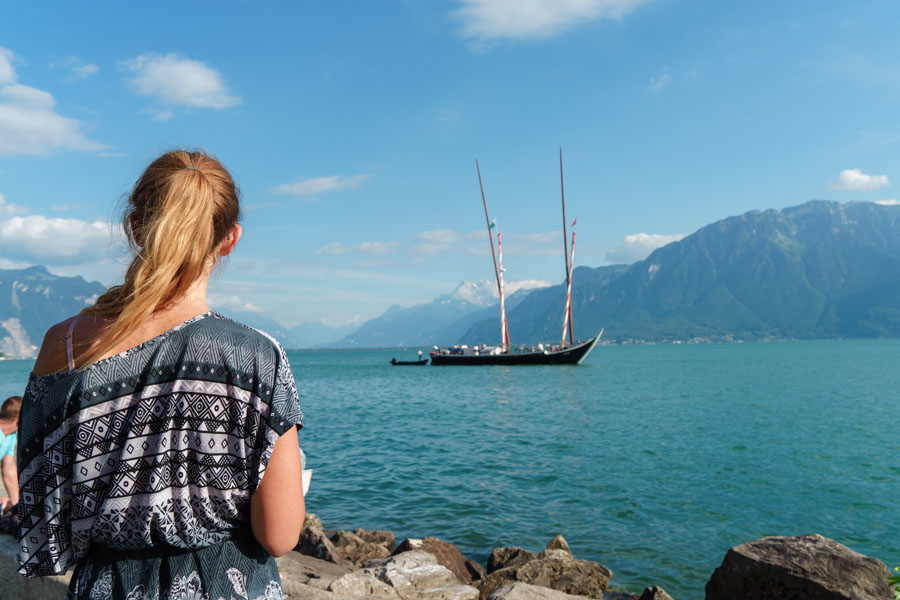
69,354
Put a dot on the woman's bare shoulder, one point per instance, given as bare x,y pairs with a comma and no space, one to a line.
52,355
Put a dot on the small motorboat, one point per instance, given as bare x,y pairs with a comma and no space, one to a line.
405,363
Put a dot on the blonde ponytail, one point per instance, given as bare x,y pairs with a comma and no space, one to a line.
178,214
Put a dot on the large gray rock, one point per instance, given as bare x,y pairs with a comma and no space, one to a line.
557,570
411,573
309,571
446,554
452,592
362,584
355,549
314,542
526,591
806,566
298,591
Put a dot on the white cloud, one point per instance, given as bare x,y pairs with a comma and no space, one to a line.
523,19
638,246
435,241
54,240
177,81
888,202
361,248
659,83
320,185
29,124
534,244
511,287
231,301
854,179
7,72
78,69
7,210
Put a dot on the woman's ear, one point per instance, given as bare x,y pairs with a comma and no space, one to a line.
231,240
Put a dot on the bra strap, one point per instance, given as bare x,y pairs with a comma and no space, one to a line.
70,356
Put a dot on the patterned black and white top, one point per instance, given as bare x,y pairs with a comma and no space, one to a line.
138,470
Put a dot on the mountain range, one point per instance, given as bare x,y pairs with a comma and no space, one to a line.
818,270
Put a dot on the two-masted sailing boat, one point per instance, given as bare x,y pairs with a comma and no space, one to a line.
567,352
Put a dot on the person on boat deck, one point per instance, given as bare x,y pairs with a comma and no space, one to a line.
158,451
9,425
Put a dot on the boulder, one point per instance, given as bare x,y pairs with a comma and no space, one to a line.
526,591
655,593
502,558
309,571
559,571
413,572
355,549
313,542
298,591
379,537
558,543
806,566
446,554
362,584
452,592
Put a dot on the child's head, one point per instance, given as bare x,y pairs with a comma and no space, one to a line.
10,408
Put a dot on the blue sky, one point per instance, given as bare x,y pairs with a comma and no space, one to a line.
352,128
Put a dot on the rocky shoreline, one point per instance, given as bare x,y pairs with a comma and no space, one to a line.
351,565
344,565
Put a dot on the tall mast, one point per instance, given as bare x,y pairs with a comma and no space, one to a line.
504,333
487,220
504,330
568,311
562,189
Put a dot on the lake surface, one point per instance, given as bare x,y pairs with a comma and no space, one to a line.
652,460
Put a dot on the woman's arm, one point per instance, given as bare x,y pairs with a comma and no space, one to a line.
276,507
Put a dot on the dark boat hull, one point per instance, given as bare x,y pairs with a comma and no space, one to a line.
572,355
409,363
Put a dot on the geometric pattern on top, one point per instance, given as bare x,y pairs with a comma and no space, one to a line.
158,446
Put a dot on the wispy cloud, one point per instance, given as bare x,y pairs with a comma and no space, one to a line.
856,180
434,241
660,82
361,248
486,20
888,202
320,185
173,80
77,68
29,123
638,246
231,301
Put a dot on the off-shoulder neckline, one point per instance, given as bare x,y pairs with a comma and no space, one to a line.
124,353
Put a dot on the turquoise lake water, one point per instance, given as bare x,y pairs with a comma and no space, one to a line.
652,460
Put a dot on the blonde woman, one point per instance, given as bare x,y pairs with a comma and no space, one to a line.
158,450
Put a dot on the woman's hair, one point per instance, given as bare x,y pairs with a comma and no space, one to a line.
180,211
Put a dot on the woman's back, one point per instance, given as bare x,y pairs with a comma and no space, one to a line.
154,449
